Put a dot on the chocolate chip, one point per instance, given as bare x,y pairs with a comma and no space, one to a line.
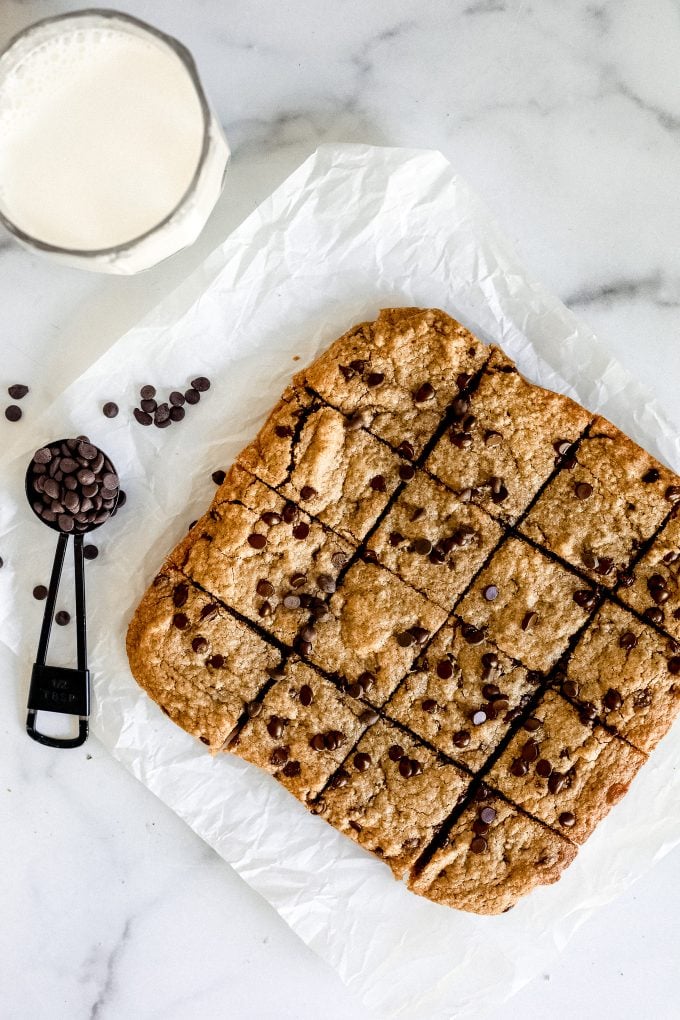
628,640
375,379
306,695
493,438
429,705
529,620
301,530
291,769
199,644
279,756
307,492
471,634
420,635
422,546
654,615
585,598
556,783
406,472
651,476
341,779
479,717
461,738
519,768
444,669
257,541
405,767
181,621
201,384
395,752
291,601
406,450
17,391
326,583
40,592
673,493
490,592
264,588
147,392
674,665
567,819
405,639
362,761
192,396
424,393
612,700
110,409
490,691
478,845
218,477
270,518
530,751
275,727
338,559
487,815
12,413
378,483
62,618
587,711
148,405
253,709
583,490
543,768
570,688
180,595
142,417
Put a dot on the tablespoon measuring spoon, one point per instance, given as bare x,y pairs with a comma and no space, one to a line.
73,488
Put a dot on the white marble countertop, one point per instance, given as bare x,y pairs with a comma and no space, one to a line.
565,117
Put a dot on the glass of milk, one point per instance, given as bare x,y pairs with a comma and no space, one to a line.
110,158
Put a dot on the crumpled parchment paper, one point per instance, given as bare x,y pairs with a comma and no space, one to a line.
354,229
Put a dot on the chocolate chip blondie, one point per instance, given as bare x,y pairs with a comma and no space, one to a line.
437,603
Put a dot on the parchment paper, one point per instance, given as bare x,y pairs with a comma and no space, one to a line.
354,229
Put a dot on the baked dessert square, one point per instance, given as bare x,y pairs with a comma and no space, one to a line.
462,698
505,440
263,556
627,675
566,772
398,375
373,631
608,499
318,459
198,663
433,541
301,730
653,589
391,795
493,855
526,604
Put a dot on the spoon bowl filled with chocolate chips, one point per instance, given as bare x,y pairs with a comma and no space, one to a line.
73,488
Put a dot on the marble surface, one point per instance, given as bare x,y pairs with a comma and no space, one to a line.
565,116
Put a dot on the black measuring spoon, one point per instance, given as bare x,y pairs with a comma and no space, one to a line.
73,488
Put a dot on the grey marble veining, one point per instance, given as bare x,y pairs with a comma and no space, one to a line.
565,117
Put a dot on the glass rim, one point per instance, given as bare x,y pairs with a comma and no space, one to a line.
184,55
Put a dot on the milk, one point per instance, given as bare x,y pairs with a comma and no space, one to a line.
102,133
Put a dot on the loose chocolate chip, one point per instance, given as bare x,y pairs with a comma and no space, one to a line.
422,546
362,761
478,845
110,409
444,669
177,413
487,815
192,396
218,477
378,483
147,392
142,417
374,379
490,592
395,752
556,783
201,384
461,738
18,391
529,620
368,717
674,665
199,644
583,490
62,618
567,819
148,405
301,530
12,413
543,768
257,541
40,592
424,393
612,700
